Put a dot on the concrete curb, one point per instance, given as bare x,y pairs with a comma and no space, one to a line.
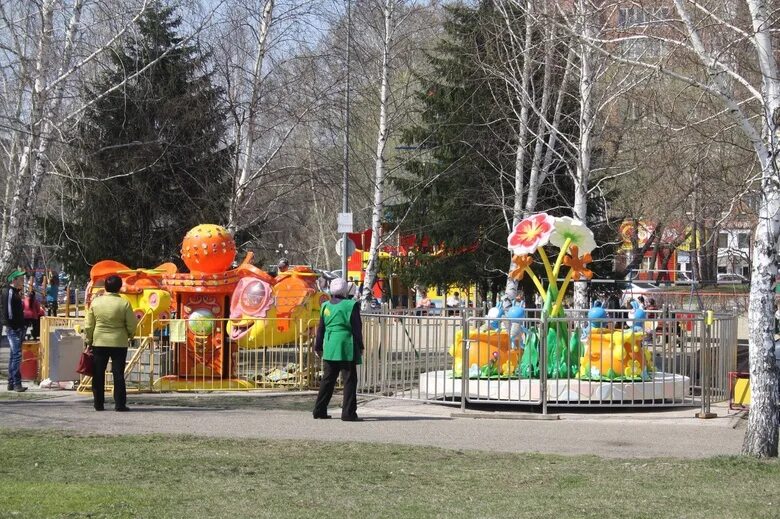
507,416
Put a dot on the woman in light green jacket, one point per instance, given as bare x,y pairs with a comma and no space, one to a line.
110,325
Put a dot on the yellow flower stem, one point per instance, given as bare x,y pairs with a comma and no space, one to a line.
561,255
561,293
536,281
547,267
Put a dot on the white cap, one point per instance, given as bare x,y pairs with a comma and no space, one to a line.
338,287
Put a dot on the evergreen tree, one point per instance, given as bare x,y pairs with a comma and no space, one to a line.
148,160
469,168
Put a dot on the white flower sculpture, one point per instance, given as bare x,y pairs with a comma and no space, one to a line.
567,228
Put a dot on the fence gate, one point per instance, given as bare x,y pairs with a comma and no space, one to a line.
410,357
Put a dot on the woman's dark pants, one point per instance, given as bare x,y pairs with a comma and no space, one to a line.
118,358
330,372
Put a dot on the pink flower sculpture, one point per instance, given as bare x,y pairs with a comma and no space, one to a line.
531,233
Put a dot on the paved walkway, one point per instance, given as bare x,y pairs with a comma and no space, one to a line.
633,434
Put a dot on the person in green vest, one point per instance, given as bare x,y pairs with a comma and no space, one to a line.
340,345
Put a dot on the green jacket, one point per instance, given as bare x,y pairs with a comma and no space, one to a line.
111,322
338,341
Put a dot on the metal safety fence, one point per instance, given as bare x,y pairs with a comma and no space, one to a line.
406,356
215,354
207,354
671,358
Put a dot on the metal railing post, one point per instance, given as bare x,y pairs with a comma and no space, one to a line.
464,358
299,345
543,363
706,367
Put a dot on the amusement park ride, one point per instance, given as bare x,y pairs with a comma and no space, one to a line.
582,357
215,311
222,309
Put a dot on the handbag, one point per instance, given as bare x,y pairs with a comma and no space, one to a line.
86,362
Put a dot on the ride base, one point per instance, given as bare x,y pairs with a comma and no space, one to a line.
662,388
174,383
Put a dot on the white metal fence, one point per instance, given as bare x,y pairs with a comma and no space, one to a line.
672,359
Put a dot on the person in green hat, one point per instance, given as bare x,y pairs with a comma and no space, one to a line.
12,317
339,343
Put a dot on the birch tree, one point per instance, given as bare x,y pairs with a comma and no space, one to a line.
270,57
587,78
706,34
519,53
761,438
394,14
524,46
44,61
389,26
246,130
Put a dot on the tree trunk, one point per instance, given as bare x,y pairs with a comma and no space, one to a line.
379,171
537,175
323,235
13,163
510,291
18,216
587,116
552,139
761,438
247,153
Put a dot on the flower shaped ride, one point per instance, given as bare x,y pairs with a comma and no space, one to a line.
521,264
578,264
605,354
575,242
572,238
574,232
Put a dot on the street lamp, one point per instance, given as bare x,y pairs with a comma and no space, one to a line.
345,179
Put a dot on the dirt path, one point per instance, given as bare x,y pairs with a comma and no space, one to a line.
625,434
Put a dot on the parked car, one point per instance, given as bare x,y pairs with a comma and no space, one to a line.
634,290
732,278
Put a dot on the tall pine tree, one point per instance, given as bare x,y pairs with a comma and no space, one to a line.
149,159
462,189
469,126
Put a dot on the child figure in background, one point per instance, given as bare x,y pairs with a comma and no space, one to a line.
52,293
32,314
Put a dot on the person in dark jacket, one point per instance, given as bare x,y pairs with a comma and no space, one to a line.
340,345
12,317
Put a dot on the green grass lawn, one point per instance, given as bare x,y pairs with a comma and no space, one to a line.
51,474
